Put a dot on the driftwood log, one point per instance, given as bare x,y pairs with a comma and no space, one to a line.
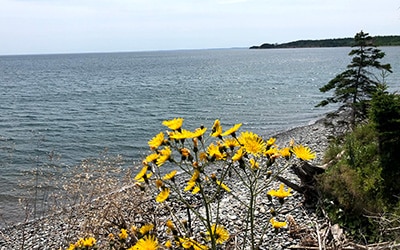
307,174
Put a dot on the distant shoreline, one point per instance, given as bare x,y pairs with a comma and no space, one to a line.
393,40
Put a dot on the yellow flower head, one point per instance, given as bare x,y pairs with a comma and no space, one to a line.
165,155
238,155
123,235
303,153
141,173
214,152
163,195
156,141
146,229
220,233
199,132
277,224
216,129
272,152
174,124
151,158
285,152
232,130
168,244
252,143
196,189
182,134
170,224
189,186
231,143
193,180
170,175
222,185
271,141
280,193
254,164
148,242
188,243
86,242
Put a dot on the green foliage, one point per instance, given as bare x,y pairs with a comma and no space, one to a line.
385,115
352,185
355,86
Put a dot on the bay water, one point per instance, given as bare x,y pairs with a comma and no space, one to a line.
77,106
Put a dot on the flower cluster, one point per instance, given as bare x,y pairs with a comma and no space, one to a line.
193,153
206,160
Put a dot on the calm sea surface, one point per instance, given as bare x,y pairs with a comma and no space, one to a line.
75,106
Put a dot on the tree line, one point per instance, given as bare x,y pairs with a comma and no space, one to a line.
335,42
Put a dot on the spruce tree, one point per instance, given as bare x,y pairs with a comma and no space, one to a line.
356,85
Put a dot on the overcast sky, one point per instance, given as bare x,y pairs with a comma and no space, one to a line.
74,26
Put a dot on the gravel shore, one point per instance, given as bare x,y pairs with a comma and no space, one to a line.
60,229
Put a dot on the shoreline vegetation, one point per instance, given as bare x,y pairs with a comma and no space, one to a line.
128,204
393,40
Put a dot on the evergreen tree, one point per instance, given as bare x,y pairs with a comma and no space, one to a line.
355,86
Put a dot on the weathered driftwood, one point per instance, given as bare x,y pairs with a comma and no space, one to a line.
306,173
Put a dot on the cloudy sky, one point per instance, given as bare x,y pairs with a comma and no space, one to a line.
74,26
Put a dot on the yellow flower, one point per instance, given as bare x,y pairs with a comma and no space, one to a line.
222,185
146,229
141,173
148,242
145,177
123,235
174,124
271,141
182,134
216,129
303,153
189,185
220,233
252,143
165,155
196,189
281,193
238,155
156,141
285,152
188,243
163,195
277,224
214,152
199,132
203,156
151,158
272,152
168,244
232,130
254,164
170,224
86,242
170,175
231,143
71,247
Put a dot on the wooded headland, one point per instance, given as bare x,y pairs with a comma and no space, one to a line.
335,42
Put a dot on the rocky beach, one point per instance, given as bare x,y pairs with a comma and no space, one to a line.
129,205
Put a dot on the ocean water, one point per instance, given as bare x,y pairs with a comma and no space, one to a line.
77,105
